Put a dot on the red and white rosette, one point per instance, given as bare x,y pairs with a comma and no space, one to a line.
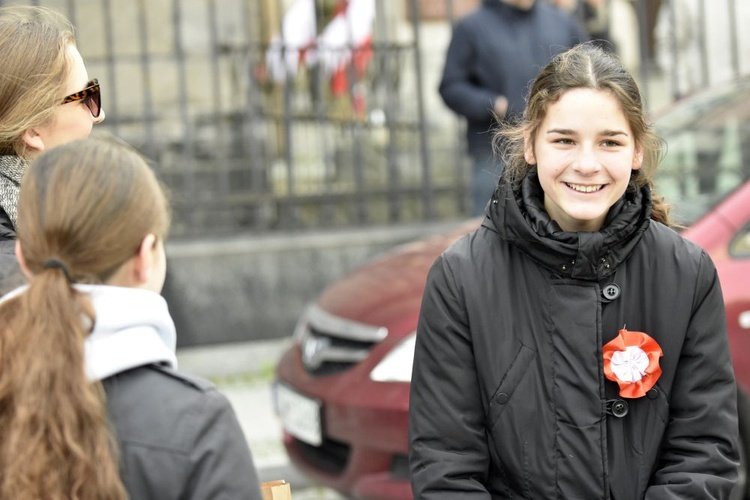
632,360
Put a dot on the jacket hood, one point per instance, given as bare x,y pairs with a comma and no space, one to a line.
132,328
519,218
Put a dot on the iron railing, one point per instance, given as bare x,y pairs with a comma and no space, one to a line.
191,84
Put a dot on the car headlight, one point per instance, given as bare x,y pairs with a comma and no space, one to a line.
396,365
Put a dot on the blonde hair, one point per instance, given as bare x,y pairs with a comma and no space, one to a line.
87,204
585,66
35,70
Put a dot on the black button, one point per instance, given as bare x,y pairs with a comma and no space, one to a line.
611,291
502,398
617,407
620,409
652,394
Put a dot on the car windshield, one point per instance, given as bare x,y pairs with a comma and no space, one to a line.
708,150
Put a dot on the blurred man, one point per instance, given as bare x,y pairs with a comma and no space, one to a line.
495,51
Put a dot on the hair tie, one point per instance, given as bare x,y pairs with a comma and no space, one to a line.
56,264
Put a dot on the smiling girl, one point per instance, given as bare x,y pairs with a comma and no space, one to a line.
575,345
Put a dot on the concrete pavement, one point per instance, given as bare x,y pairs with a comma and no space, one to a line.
244,373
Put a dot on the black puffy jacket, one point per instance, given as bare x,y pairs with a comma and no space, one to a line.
509,398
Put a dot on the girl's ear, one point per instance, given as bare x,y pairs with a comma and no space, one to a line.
528,149
22,262
144,259
638,158
33,140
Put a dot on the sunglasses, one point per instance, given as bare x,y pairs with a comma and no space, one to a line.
91,97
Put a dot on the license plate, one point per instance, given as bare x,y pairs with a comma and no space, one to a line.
300,415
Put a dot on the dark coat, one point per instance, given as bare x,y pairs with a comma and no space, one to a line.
497,50
179,438
10,273
509,399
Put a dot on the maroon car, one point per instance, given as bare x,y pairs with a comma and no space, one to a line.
342,389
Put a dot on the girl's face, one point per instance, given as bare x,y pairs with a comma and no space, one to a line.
584,151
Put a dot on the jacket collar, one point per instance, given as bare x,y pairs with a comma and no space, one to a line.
519,218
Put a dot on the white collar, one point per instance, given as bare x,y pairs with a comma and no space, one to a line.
132,328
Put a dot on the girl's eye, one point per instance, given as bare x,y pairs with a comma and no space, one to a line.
611,144
563,140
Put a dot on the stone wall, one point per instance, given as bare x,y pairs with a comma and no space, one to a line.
254,288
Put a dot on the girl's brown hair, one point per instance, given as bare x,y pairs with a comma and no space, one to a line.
35,69
88,205
585,66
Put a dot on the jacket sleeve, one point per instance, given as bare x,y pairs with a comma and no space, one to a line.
459,87
699,457
221,465
448,452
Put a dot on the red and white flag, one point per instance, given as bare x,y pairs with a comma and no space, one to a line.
347,39
298,31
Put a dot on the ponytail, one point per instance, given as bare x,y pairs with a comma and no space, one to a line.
56,440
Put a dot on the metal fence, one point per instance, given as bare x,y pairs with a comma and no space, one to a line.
250,134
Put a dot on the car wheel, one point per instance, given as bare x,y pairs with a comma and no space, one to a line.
740,491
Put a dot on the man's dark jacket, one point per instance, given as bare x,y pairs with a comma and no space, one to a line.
509,397
497,50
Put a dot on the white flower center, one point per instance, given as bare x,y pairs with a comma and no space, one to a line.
629,365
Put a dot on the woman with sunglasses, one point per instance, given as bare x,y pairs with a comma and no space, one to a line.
46,99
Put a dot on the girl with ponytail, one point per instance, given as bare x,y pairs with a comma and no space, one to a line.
91,404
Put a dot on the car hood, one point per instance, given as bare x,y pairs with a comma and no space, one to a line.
388,291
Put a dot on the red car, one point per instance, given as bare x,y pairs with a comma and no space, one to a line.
342,389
